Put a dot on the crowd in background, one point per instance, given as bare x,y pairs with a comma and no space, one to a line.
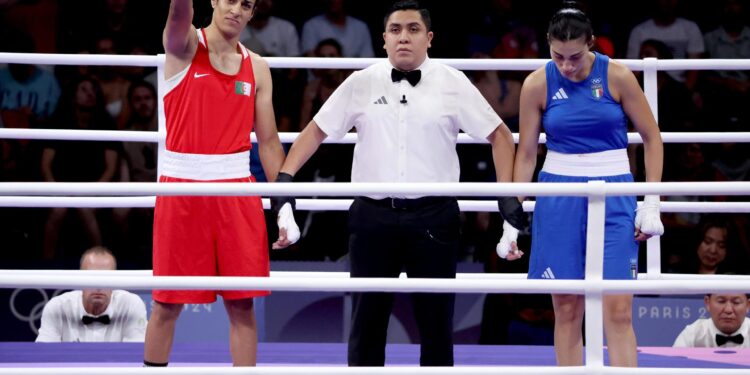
108,98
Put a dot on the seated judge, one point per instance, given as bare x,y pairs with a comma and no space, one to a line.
728,326
94,315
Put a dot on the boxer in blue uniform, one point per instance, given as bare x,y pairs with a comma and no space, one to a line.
583,101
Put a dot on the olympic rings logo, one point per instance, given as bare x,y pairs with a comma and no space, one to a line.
35,313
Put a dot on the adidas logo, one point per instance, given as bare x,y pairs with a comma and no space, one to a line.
381,101
560,95
547,274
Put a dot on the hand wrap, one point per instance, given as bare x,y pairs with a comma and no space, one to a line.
648,216
510,235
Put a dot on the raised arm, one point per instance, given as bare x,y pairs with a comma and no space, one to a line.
179,38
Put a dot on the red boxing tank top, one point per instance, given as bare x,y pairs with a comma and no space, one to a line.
207,111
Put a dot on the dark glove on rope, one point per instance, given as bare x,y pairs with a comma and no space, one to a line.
512,212
278,201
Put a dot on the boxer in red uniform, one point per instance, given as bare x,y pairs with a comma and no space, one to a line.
217,93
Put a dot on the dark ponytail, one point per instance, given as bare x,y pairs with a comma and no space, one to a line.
570,23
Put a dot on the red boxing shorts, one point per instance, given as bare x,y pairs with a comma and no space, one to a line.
209,236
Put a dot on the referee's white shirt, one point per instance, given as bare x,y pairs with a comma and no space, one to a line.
411,142
702,334
61,319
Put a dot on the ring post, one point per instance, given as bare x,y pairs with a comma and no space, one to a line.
594,268
653,245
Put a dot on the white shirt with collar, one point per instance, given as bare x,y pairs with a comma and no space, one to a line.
407,142
61,319
702,334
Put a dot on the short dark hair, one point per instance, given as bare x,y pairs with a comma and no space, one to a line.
329,42
138,84
570,23
662,50
409,5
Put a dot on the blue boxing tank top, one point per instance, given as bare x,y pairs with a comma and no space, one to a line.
582,117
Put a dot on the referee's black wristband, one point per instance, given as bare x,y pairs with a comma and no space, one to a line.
278,201
512,211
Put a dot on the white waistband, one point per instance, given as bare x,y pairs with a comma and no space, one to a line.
597,164
204,167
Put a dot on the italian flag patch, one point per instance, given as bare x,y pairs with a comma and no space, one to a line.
243,88
597,91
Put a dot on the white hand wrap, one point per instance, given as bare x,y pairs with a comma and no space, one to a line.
510,235
286,221
648,217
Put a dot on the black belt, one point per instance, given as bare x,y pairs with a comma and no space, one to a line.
407,204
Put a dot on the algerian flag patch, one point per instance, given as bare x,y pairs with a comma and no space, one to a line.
243,88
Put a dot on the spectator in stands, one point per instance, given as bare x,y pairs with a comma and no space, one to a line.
732,162
138,164
82,107
267,35
112,79
140,73
324,84
27,89
683,37
94,315
351,33
717,251
684,163
728,91
140,157
728,327
503,91
676,110
28,98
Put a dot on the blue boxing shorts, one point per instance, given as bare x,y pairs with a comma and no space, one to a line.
558,247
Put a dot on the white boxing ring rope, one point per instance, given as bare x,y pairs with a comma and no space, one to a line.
334,204
593,287
351,138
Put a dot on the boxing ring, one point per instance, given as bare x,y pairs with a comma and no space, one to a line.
29,358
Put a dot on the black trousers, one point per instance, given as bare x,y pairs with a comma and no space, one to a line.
420,236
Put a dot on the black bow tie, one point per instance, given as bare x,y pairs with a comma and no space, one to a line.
721,339
88,319
413,77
